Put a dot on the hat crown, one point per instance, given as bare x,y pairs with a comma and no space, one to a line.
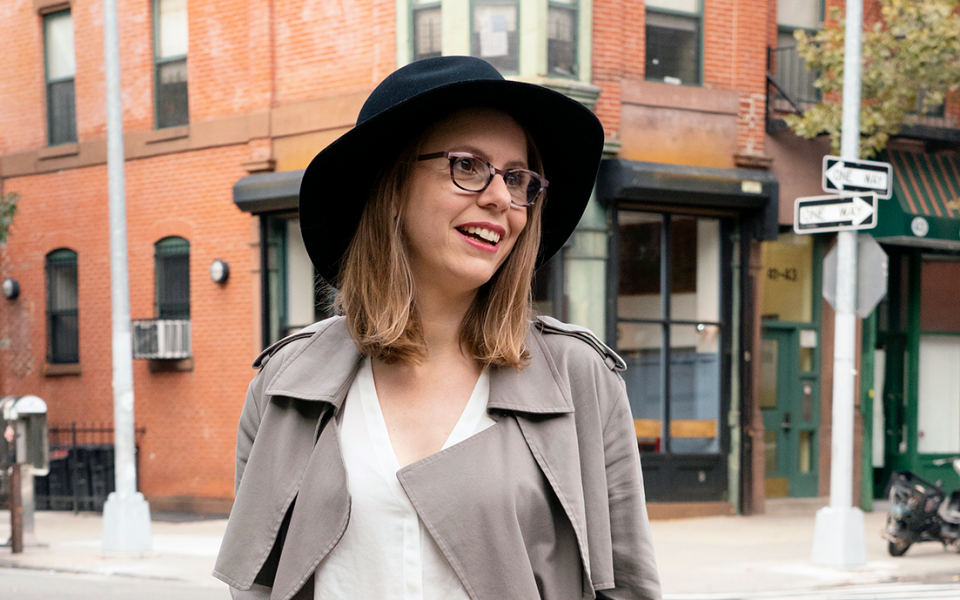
423,76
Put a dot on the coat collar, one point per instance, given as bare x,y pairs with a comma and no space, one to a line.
323,369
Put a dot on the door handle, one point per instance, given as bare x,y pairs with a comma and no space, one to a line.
786,422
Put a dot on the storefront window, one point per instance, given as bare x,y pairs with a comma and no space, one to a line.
938,407
296,296
670,337
548,295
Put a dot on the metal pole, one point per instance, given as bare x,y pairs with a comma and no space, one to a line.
126,514
839,536
16,511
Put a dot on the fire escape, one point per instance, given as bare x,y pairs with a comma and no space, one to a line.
790,86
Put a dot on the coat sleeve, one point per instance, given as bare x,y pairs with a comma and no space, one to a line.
634,564
249,424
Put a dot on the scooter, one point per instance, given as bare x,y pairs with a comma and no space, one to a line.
918,512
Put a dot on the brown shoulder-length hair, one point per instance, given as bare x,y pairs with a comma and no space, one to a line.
378,295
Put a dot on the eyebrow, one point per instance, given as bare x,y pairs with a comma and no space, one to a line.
516,164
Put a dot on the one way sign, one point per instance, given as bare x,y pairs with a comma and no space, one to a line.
841,175
817,214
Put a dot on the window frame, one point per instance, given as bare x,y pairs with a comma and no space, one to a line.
574,7
158,63
532,46
699,36
63,257
164,309
516,4
413,8
724,324
48,83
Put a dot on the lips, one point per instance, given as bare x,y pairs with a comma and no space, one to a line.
483,234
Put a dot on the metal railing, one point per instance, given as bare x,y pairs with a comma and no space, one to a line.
791,90
790,84
81,468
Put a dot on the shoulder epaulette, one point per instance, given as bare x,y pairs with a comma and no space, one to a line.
272,349
551,325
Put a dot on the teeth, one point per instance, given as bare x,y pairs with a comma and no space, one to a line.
486,234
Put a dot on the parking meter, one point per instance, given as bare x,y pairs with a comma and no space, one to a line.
28,445
26,416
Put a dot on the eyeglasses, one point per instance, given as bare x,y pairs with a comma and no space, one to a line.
473,174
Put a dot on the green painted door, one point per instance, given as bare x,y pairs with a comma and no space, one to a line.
789,400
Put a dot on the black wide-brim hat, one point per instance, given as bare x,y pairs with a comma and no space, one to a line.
337,183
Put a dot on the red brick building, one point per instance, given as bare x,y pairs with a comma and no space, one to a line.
226,102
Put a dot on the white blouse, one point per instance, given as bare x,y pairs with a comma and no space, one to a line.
386,552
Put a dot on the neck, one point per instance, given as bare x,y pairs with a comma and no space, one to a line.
441,318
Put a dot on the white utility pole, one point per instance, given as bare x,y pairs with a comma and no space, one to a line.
838,535
126,514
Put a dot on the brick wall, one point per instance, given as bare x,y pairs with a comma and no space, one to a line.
190,416
327,48
735,37
246,57
22,117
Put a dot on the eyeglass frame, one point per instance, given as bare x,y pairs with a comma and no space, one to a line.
453,156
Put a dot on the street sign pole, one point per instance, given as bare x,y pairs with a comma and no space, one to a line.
126,514
839,533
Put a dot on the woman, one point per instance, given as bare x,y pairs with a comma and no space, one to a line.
434,442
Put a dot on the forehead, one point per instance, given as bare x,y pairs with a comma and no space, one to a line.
477,127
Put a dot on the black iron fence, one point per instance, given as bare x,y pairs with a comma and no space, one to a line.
81,468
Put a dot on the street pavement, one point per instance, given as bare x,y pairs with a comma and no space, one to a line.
762,557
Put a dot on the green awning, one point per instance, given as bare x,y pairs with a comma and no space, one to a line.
926,197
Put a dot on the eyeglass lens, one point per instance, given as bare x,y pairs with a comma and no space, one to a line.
473,175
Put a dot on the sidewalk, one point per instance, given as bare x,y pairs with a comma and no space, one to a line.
772,552
183,551
696,557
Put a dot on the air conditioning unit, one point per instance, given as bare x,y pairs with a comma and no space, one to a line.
161,338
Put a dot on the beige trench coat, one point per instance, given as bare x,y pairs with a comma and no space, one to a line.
571,414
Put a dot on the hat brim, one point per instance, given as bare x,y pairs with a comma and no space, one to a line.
337,183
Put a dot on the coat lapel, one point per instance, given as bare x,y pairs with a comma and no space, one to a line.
541,391
541,403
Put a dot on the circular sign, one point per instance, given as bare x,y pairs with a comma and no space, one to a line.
919,227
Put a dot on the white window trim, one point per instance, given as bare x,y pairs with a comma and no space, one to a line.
455,17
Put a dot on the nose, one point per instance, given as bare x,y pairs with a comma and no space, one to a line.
496,195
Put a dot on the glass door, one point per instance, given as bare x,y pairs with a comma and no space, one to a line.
671,323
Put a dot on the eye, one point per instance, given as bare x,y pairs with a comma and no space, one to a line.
466,165
516,179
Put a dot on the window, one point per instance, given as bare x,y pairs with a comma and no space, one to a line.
170,61
673,41
670,336
562,38
296,295
938,393
792,73
61,65
172,286
494,34
63,327
427,33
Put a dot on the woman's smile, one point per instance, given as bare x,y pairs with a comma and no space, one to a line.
484,236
